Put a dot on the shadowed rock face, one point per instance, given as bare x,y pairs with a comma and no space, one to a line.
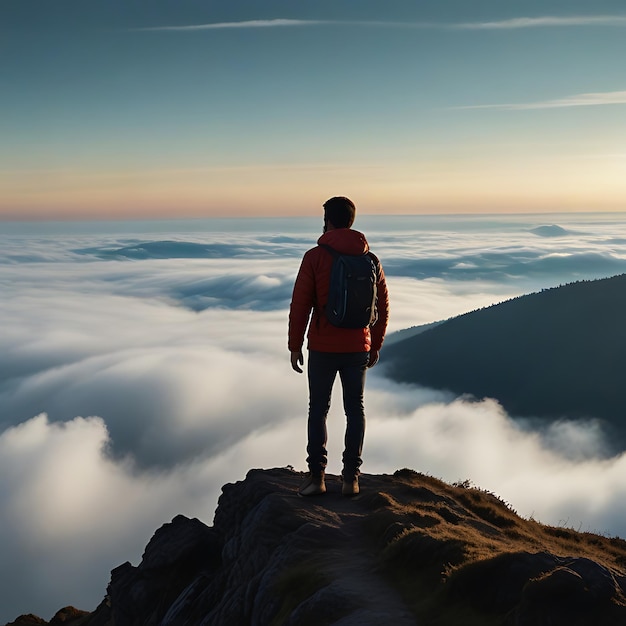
409,550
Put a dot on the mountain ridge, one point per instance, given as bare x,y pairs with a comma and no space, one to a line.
556,354
410,549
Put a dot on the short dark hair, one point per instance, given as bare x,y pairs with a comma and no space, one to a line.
340,211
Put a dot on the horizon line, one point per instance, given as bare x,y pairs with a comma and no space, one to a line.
100,219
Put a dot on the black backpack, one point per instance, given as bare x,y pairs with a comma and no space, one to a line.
352,290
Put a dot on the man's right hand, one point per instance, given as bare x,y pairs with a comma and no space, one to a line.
297,359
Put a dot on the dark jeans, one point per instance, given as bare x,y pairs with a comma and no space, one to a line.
322,370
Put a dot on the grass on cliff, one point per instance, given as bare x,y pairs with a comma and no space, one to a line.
294,586
431,534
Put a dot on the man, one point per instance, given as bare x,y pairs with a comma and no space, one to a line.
332,350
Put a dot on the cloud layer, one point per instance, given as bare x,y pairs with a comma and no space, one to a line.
547,21
578,100
242,24
138,375
551,21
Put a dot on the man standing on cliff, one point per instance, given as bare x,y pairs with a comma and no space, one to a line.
332,349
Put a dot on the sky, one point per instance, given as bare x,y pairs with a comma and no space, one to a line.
143,365
133,109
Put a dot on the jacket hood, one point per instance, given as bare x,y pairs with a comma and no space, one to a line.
345,241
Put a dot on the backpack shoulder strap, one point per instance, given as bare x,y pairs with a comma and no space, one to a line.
329,249
334,252
374,258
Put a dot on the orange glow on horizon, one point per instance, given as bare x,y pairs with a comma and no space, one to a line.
273,191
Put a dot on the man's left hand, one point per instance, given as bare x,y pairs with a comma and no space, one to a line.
373,358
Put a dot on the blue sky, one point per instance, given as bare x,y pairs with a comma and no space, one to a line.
163,109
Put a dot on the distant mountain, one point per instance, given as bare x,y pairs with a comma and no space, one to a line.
550,231
405,333
409,550
559,353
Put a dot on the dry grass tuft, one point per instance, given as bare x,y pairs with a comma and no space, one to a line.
456,542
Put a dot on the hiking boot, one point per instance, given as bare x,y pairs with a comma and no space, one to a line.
350,486
313,485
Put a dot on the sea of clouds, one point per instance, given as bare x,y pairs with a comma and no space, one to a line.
144,365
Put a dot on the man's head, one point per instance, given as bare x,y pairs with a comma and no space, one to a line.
339,211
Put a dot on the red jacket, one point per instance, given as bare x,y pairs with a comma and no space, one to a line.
311,287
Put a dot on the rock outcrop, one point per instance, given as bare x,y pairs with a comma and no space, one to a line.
409,550
69,616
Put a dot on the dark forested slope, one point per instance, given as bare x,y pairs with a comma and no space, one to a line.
557,353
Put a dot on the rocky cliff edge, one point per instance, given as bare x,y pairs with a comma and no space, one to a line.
410,549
